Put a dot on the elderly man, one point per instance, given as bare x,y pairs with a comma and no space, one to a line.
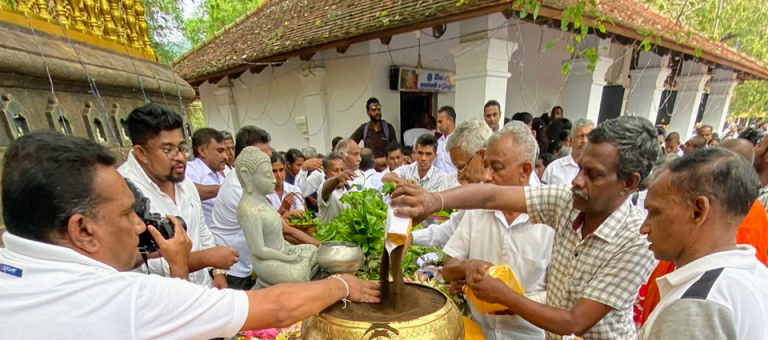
486,237
563,170
467,148
599,258
206,170
335,186
491,114
350,152
718,290
157,166
422,171
693,144
72,238
446,123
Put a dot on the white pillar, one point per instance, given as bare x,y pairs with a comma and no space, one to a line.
719,101
583,90
647,85
313,88
482,71
225,100
690,88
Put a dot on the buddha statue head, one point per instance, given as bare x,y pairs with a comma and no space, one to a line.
254,171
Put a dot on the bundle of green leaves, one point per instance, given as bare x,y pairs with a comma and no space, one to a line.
364,223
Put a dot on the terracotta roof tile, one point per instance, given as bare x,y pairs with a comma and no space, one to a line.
280,29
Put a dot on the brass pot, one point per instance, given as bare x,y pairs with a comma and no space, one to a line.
444,324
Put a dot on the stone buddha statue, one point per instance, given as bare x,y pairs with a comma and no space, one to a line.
274,260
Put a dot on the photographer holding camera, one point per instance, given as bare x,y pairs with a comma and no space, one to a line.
157,166
71,240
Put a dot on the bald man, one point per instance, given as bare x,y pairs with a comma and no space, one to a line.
693,144
741,147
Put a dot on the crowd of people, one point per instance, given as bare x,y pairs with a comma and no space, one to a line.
571,207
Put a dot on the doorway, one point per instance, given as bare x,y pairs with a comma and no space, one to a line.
413,105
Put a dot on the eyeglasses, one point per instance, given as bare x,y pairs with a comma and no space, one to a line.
172,152
466,165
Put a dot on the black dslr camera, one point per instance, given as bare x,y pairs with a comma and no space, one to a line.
161,223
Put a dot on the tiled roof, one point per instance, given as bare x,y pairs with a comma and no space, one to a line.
279,29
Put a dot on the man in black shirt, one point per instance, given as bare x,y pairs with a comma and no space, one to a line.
376,133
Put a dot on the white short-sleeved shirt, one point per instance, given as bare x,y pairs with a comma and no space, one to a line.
276,201
309,183
437,235
56,293
332,207
225,228
434,181
200,173
187,205
525,247
561,171
443,159
735,279
410,136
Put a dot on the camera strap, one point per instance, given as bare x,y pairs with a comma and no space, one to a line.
145,257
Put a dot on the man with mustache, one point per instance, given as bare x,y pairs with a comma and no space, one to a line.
376,134
599,258
156,165
719,290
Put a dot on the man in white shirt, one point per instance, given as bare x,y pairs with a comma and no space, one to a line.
335,185
287,199
446,123
467,148
71,243
422,171
350,151
206,171
226,229
426,125
371,177
487,237
672,143
229,149
156,165
719,289
563,170
492,114
394,157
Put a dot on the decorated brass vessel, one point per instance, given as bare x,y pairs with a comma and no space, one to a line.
444,324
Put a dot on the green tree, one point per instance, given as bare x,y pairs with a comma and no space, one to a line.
213,15
742,24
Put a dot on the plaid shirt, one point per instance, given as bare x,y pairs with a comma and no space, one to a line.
762,196
435,180
608,266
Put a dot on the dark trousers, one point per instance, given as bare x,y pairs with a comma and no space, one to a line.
240,283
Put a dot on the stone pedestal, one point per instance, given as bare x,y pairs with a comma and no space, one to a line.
690,88
482,71
647,85
719,101
313,88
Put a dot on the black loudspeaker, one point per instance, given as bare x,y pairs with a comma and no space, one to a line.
394,78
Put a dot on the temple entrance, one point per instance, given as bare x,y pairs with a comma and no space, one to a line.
412,106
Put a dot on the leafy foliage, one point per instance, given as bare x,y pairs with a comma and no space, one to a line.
741,24
213,15
364,223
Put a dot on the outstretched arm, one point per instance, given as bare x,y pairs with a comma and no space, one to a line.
421,203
